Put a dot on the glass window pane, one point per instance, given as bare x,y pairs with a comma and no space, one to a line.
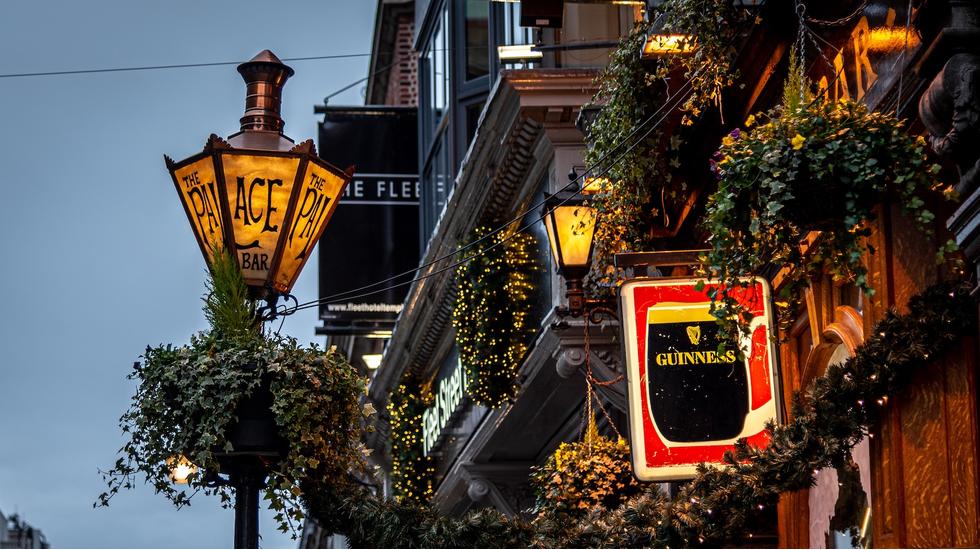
477,38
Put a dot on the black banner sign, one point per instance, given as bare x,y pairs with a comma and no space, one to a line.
374,232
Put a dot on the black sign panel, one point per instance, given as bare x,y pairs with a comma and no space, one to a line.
685,368
374,232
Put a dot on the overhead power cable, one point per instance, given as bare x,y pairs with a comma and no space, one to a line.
174,66
516,218
680,96
356,292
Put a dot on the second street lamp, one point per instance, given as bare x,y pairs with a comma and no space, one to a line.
571,228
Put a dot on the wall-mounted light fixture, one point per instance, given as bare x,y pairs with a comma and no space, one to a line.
372,360
661,44
518,53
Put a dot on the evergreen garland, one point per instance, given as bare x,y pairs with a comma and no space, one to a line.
714,508
412,472
490,315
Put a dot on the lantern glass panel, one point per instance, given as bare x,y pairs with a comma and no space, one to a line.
257,190
574,226
319,190
195,183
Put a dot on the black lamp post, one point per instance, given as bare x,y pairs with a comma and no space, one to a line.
267,200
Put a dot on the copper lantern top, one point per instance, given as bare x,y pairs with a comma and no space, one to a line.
264,77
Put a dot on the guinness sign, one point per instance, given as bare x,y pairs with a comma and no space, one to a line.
689,402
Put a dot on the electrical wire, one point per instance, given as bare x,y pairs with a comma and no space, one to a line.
347,295
516,218
682,92
174,66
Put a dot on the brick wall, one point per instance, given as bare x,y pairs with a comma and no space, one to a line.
403,78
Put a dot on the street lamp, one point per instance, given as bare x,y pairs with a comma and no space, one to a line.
571,228
267,200
260,195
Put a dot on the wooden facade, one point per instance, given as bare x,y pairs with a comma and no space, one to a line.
921,462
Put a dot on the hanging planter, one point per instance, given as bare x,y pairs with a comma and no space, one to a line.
583,475
810,165
235,399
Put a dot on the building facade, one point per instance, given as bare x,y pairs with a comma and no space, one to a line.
16,533
497,133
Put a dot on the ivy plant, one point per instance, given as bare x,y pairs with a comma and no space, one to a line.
638,161
187,400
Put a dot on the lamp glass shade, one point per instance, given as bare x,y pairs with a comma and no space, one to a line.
195,181
570,232
657,45
269,208
316,198
257,190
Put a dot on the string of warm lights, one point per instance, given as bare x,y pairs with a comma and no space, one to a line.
412,473
490,315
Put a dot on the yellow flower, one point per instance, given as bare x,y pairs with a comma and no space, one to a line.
919,140
726,160
727,141
797,142
750,121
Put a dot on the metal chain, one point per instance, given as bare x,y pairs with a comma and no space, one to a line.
591,382
801,36
839,22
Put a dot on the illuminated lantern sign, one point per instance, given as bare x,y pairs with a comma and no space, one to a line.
688,402
257,193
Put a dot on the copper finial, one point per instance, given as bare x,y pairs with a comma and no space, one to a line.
264,77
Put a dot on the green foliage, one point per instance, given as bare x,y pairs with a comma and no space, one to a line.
811,166
585,474
227,306
412,472
187,400
646,180
716,507
490,315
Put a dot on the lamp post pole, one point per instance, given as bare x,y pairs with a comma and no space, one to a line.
248,483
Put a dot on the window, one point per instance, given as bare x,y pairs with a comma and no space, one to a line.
477,38
437,69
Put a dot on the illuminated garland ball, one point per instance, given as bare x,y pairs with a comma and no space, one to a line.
412,472
490,317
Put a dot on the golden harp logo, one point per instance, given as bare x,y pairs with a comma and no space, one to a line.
694,334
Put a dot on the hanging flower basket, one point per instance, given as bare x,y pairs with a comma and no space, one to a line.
234,398
810,165
592,473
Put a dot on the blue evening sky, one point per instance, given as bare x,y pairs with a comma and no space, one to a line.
99,260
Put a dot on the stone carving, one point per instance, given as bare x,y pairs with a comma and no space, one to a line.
950,110
478,489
